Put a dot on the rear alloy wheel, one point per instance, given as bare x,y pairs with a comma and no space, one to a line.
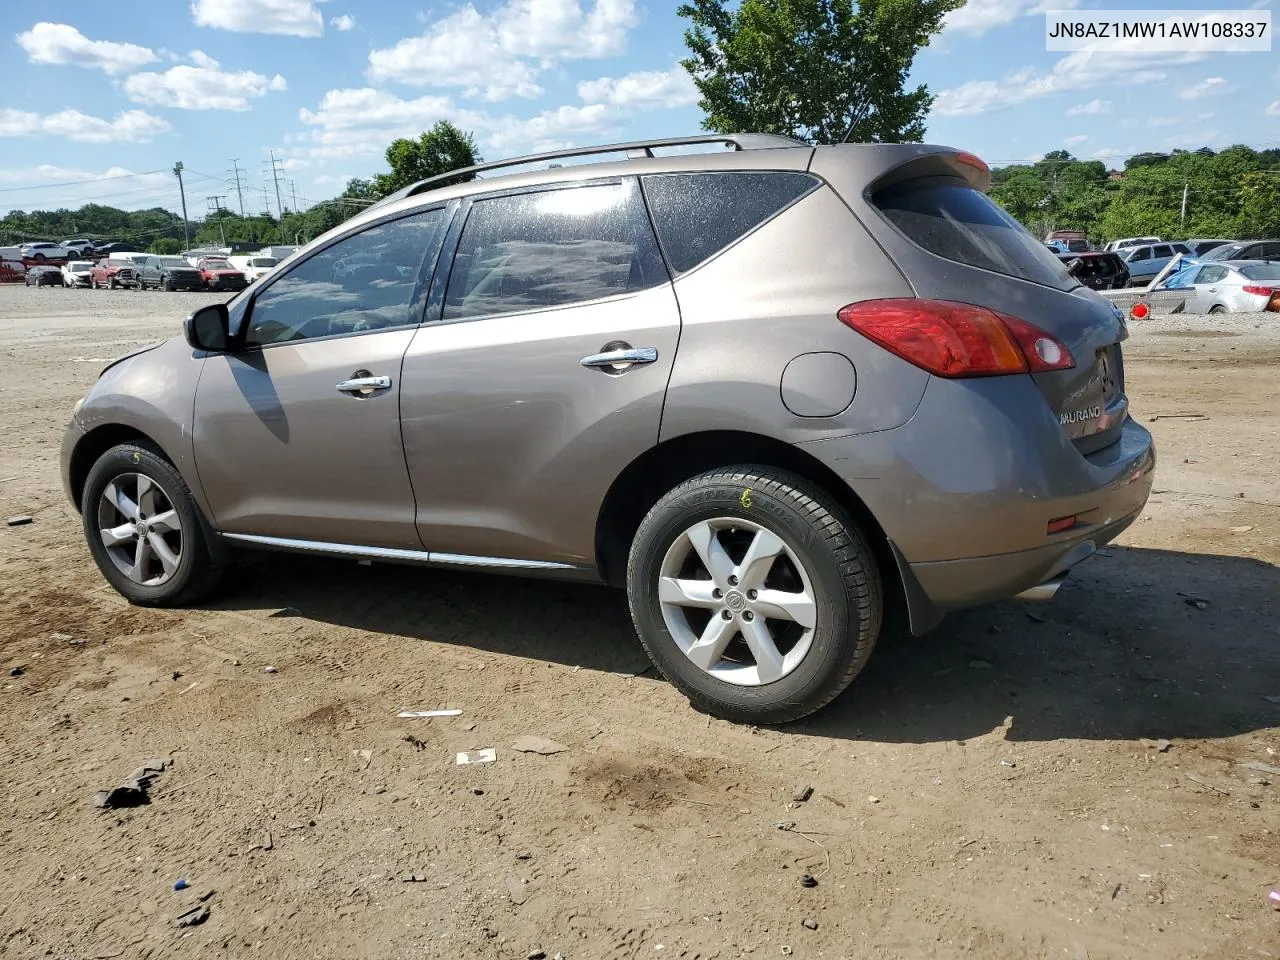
144,529
167,285
753,594
1217,308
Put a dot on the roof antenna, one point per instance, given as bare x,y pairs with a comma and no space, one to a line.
857,119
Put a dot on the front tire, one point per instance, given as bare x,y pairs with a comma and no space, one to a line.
754,594
144,529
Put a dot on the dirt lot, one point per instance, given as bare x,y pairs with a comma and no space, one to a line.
982,791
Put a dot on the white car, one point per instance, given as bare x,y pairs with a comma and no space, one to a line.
46,251
1127,242
79,248
1234,286
255,267
76,273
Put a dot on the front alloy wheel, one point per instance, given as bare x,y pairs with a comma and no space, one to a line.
140,529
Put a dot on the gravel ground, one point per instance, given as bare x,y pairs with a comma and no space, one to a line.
992,790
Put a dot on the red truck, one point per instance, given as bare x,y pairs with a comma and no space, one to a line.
113,272
218,274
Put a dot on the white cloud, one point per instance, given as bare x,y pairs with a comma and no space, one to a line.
60,43
204,86
1092,108
976,17
1079,70
645,90
1078,140
343,23
1274,109
1110,153
355,122
548,130
499,55
298,18
1210,86
131,126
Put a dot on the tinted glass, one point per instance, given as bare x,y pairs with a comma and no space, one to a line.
1210,274
699,214
949,218
1142,253
1262,271
1271,250
1163,250
1181,248
1226,252
361,283
1096,266
534,251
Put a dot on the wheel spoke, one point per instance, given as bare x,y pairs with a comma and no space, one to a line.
141,560
709,648
718,562
166,522
116,536
168,559
781,605
687,593
147,495
768,660
120,501
758,560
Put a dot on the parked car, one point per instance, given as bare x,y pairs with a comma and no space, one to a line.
1199,248
643,373
1233,286
113,272
76,273
1146,261
168,273
45,251
1068,241
11,270
1098,270
44,277
114,249
1128,242
1244,250
217,273
253,268
79,248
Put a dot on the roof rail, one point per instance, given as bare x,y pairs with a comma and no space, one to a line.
634,150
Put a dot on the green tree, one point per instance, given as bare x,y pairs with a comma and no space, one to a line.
442,148
165,246
817,70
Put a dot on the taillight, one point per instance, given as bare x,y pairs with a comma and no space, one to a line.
1259,291
972,160
957,339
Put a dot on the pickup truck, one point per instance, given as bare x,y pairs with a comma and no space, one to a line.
168,273
218,274
114,272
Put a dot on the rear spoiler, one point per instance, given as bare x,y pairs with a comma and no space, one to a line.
875,166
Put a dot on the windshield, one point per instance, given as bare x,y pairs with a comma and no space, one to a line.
263,262
1262,271
172,262
217,265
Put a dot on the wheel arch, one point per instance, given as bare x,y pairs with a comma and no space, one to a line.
97,442
644,481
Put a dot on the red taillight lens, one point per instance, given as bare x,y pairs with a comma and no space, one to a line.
956,339
1259,291
972,160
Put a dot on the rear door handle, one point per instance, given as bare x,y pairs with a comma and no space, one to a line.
621,358
364,384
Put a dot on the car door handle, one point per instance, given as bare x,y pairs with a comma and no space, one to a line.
1213,289
364,384
621,358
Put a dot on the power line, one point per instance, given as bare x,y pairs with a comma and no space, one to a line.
76,183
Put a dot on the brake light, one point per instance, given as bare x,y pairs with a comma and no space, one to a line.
957,339
1259,291
972,160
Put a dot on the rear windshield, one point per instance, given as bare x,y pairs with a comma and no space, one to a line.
949,218
1262,271
1225,252
263,262
1095,266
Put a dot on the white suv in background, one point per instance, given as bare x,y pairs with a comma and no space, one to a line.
255,267
45,251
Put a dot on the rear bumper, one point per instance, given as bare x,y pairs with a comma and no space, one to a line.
965,489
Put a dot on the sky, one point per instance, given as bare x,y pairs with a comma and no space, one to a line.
102,101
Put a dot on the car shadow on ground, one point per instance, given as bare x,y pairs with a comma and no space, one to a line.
1139,643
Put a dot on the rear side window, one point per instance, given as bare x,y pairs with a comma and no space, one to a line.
699,214
1142,253
535,251
949,218
1211,274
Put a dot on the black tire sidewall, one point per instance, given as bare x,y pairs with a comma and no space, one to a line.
825,670
194,562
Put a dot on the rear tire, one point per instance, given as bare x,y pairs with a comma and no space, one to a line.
1217,308
167,562
812,605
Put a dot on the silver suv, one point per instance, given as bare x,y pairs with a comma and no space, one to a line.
771,391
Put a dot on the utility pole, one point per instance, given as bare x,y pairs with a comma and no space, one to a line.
1185,185
186,224
293,188
236,168
215,207
275,177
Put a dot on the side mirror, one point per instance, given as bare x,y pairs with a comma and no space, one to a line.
209,328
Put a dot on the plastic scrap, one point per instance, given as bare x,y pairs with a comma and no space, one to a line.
487,755
414,714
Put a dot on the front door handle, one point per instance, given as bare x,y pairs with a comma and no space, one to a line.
617,361
364,385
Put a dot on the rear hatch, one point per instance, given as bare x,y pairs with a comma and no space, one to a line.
953,243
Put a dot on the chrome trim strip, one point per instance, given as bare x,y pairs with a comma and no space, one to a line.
393,553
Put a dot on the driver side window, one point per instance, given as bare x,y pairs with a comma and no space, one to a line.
362,283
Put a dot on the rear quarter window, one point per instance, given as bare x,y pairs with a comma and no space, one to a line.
699,214
951,219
